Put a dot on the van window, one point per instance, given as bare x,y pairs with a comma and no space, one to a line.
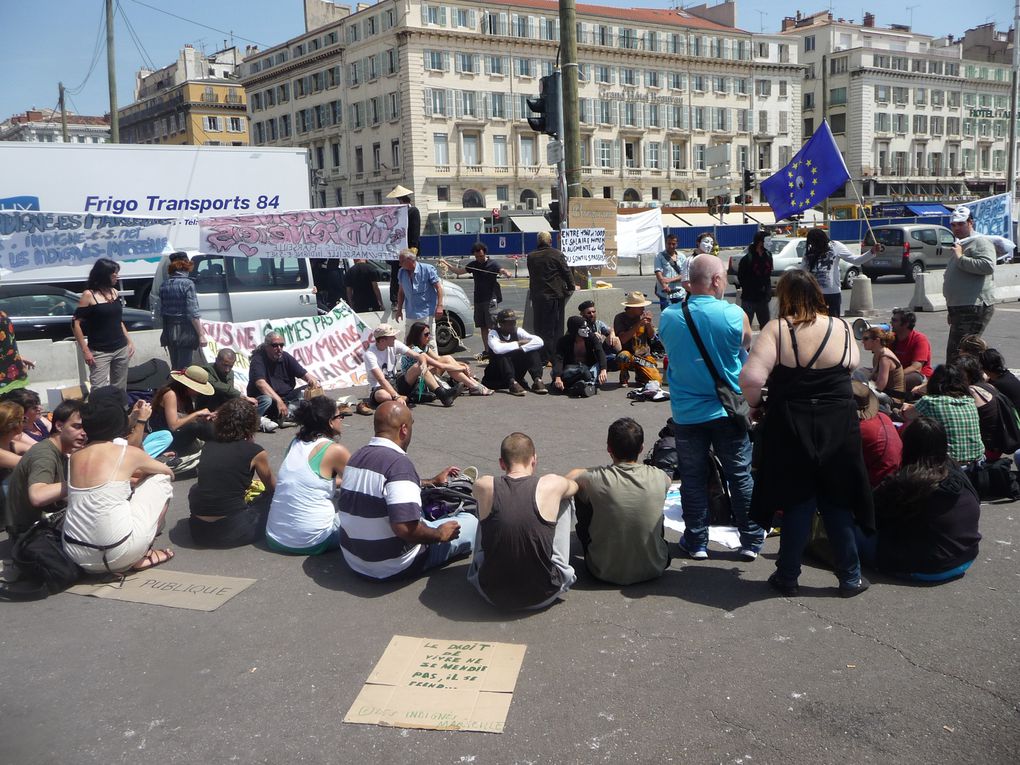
890,237
946,238
925,235
209,275
258,274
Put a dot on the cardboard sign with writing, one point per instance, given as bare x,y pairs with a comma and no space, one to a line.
583,246
174,589
440,685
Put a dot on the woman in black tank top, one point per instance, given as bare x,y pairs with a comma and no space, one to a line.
98,326
810,441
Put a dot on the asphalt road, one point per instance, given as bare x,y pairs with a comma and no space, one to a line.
704,665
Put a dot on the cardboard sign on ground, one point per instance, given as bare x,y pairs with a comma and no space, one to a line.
440,685
174,589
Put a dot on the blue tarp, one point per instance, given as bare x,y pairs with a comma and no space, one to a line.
926,210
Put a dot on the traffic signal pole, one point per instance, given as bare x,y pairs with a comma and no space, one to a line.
570,130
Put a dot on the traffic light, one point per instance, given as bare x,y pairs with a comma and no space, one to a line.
553,216
547,106
748,180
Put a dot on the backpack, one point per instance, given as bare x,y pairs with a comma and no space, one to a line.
663,452
39,553
1007,432
455,497
994,479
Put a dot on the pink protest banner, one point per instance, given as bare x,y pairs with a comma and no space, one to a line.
374,233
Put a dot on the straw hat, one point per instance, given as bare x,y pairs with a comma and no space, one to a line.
196,378
636,300
867,401
398,192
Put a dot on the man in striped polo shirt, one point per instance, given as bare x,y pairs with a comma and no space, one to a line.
383,533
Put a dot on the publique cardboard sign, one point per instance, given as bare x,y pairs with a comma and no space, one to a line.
440,685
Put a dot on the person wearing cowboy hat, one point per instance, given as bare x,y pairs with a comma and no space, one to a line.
880,440
402,195
633,325
969,283
175,408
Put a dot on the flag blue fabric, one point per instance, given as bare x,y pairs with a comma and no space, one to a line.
814,173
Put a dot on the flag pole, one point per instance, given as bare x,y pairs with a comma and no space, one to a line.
863,212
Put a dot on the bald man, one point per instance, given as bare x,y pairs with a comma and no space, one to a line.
384,535
699,420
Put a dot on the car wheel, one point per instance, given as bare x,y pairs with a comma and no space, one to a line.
851,276
916,269
449,331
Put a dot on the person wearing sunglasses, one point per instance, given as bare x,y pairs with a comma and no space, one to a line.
272,379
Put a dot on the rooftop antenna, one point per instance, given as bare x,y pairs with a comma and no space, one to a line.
761,19
911,8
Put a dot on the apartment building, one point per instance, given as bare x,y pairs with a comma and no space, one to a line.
434,96
44,126
197,100
913,118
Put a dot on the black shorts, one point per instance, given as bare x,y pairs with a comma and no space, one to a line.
485,315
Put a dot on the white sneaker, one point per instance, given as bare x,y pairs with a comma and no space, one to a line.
266,425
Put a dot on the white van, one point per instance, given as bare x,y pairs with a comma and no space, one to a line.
241,289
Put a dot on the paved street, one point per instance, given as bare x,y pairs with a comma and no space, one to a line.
704,665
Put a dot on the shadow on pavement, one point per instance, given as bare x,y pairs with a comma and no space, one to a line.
332,573
448,593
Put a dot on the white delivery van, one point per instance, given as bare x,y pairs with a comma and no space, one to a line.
180,182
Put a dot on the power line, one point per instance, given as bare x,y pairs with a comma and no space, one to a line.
198,23
97,51
146,58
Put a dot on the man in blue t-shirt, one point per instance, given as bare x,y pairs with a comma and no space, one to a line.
699,419
420,297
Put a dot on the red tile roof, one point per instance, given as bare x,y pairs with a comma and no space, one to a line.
666,17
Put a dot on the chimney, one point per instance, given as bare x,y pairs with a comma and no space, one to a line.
869,20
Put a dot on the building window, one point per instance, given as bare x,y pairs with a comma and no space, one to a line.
211,124
497,106
529,157
469,150
441,146
837,97
809,43
235,125
838,123
699,156
442,193
502,193
359,159
335,150
499,152
605,153
395,153
652,149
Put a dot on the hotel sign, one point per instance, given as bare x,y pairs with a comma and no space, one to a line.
996,113
651,98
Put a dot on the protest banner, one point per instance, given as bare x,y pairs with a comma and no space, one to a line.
992,216
440,685
330,346
31,239
374,233
640,234
586,212
583,246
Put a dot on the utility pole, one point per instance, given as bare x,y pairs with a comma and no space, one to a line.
63,114
111,75
570,132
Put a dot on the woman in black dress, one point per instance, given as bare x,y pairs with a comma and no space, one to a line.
811,456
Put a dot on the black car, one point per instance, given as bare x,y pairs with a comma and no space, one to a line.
41,312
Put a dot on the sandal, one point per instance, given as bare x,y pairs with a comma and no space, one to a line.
153,558
481,390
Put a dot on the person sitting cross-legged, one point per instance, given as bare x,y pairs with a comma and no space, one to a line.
619,511
633,325
522,552
272,379
514,355
578,358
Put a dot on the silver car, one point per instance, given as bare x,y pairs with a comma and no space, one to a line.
908,250
787,252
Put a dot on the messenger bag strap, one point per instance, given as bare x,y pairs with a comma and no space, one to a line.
701,346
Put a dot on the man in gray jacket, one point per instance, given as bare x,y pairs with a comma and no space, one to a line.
969,281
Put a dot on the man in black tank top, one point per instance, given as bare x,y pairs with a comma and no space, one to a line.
522,551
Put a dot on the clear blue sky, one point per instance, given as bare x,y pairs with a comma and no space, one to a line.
46,41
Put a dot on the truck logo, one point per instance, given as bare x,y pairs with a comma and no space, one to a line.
20,203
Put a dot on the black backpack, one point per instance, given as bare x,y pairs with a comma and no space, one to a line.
455,497
39,554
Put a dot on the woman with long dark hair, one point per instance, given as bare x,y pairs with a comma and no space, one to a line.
98,326
811,454
821,260
175,408
927,513
303,517
755,276
948,399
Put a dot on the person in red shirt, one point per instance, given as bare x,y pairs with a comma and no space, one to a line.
880,442
911,348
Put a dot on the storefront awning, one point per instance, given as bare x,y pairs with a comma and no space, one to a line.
531,224
928,209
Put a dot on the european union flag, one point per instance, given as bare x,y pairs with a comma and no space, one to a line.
815,172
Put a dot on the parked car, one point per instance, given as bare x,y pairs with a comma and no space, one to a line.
42,312
459,320
908,250
787,252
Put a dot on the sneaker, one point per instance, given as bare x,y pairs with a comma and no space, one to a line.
696,553
747,554
515,389
266,425
624,379
481,390
469,473
789,589
539,387
852,590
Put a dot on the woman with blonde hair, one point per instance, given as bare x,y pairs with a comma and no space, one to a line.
811,455
886,370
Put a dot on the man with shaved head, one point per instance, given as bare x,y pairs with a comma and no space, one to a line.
383,533
699,420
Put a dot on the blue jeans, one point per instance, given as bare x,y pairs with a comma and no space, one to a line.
439,553
796,531
265,402
733,448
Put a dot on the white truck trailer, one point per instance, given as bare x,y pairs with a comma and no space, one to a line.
180,182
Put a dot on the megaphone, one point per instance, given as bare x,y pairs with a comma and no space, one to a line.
863,325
